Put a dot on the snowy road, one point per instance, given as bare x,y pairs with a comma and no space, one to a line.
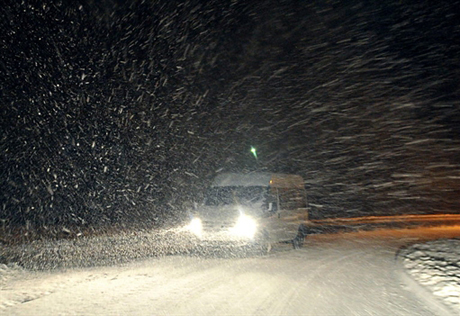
341,274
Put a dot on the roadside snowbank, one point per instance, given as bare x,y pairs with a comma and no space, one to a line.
95,251
435,265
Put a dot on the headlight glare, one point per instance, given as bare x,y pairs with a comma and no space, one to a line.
195,226
245,227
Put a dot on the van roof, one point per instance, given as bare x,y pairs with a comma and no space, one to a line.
276,180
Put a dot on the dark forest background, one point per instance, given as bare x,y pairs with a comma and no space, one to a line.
122,112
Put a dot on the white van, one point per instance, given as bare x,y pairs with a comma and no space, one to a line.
252,208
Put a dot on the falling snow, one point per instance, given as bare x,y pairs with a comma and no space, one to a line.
118,113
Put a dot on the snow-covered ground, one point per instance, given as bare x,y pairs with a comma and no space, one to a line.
346,274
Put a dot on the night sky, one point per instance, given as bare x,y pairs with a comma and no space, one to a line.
115,112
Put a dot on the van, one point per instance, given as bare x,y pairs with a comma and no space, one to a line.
253,207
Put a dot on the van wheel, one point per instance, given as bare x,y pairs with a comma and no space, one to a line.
298,241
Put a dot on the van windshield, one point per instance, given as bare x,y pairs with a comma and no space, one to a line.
235,195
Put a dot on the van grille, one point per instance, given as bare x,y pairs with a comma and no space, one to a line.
215,226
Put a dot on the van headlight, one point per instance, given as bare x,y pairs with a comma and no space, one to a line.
195,227
245,227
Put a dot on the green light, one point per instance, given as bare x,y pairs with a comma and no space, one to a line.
254,152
